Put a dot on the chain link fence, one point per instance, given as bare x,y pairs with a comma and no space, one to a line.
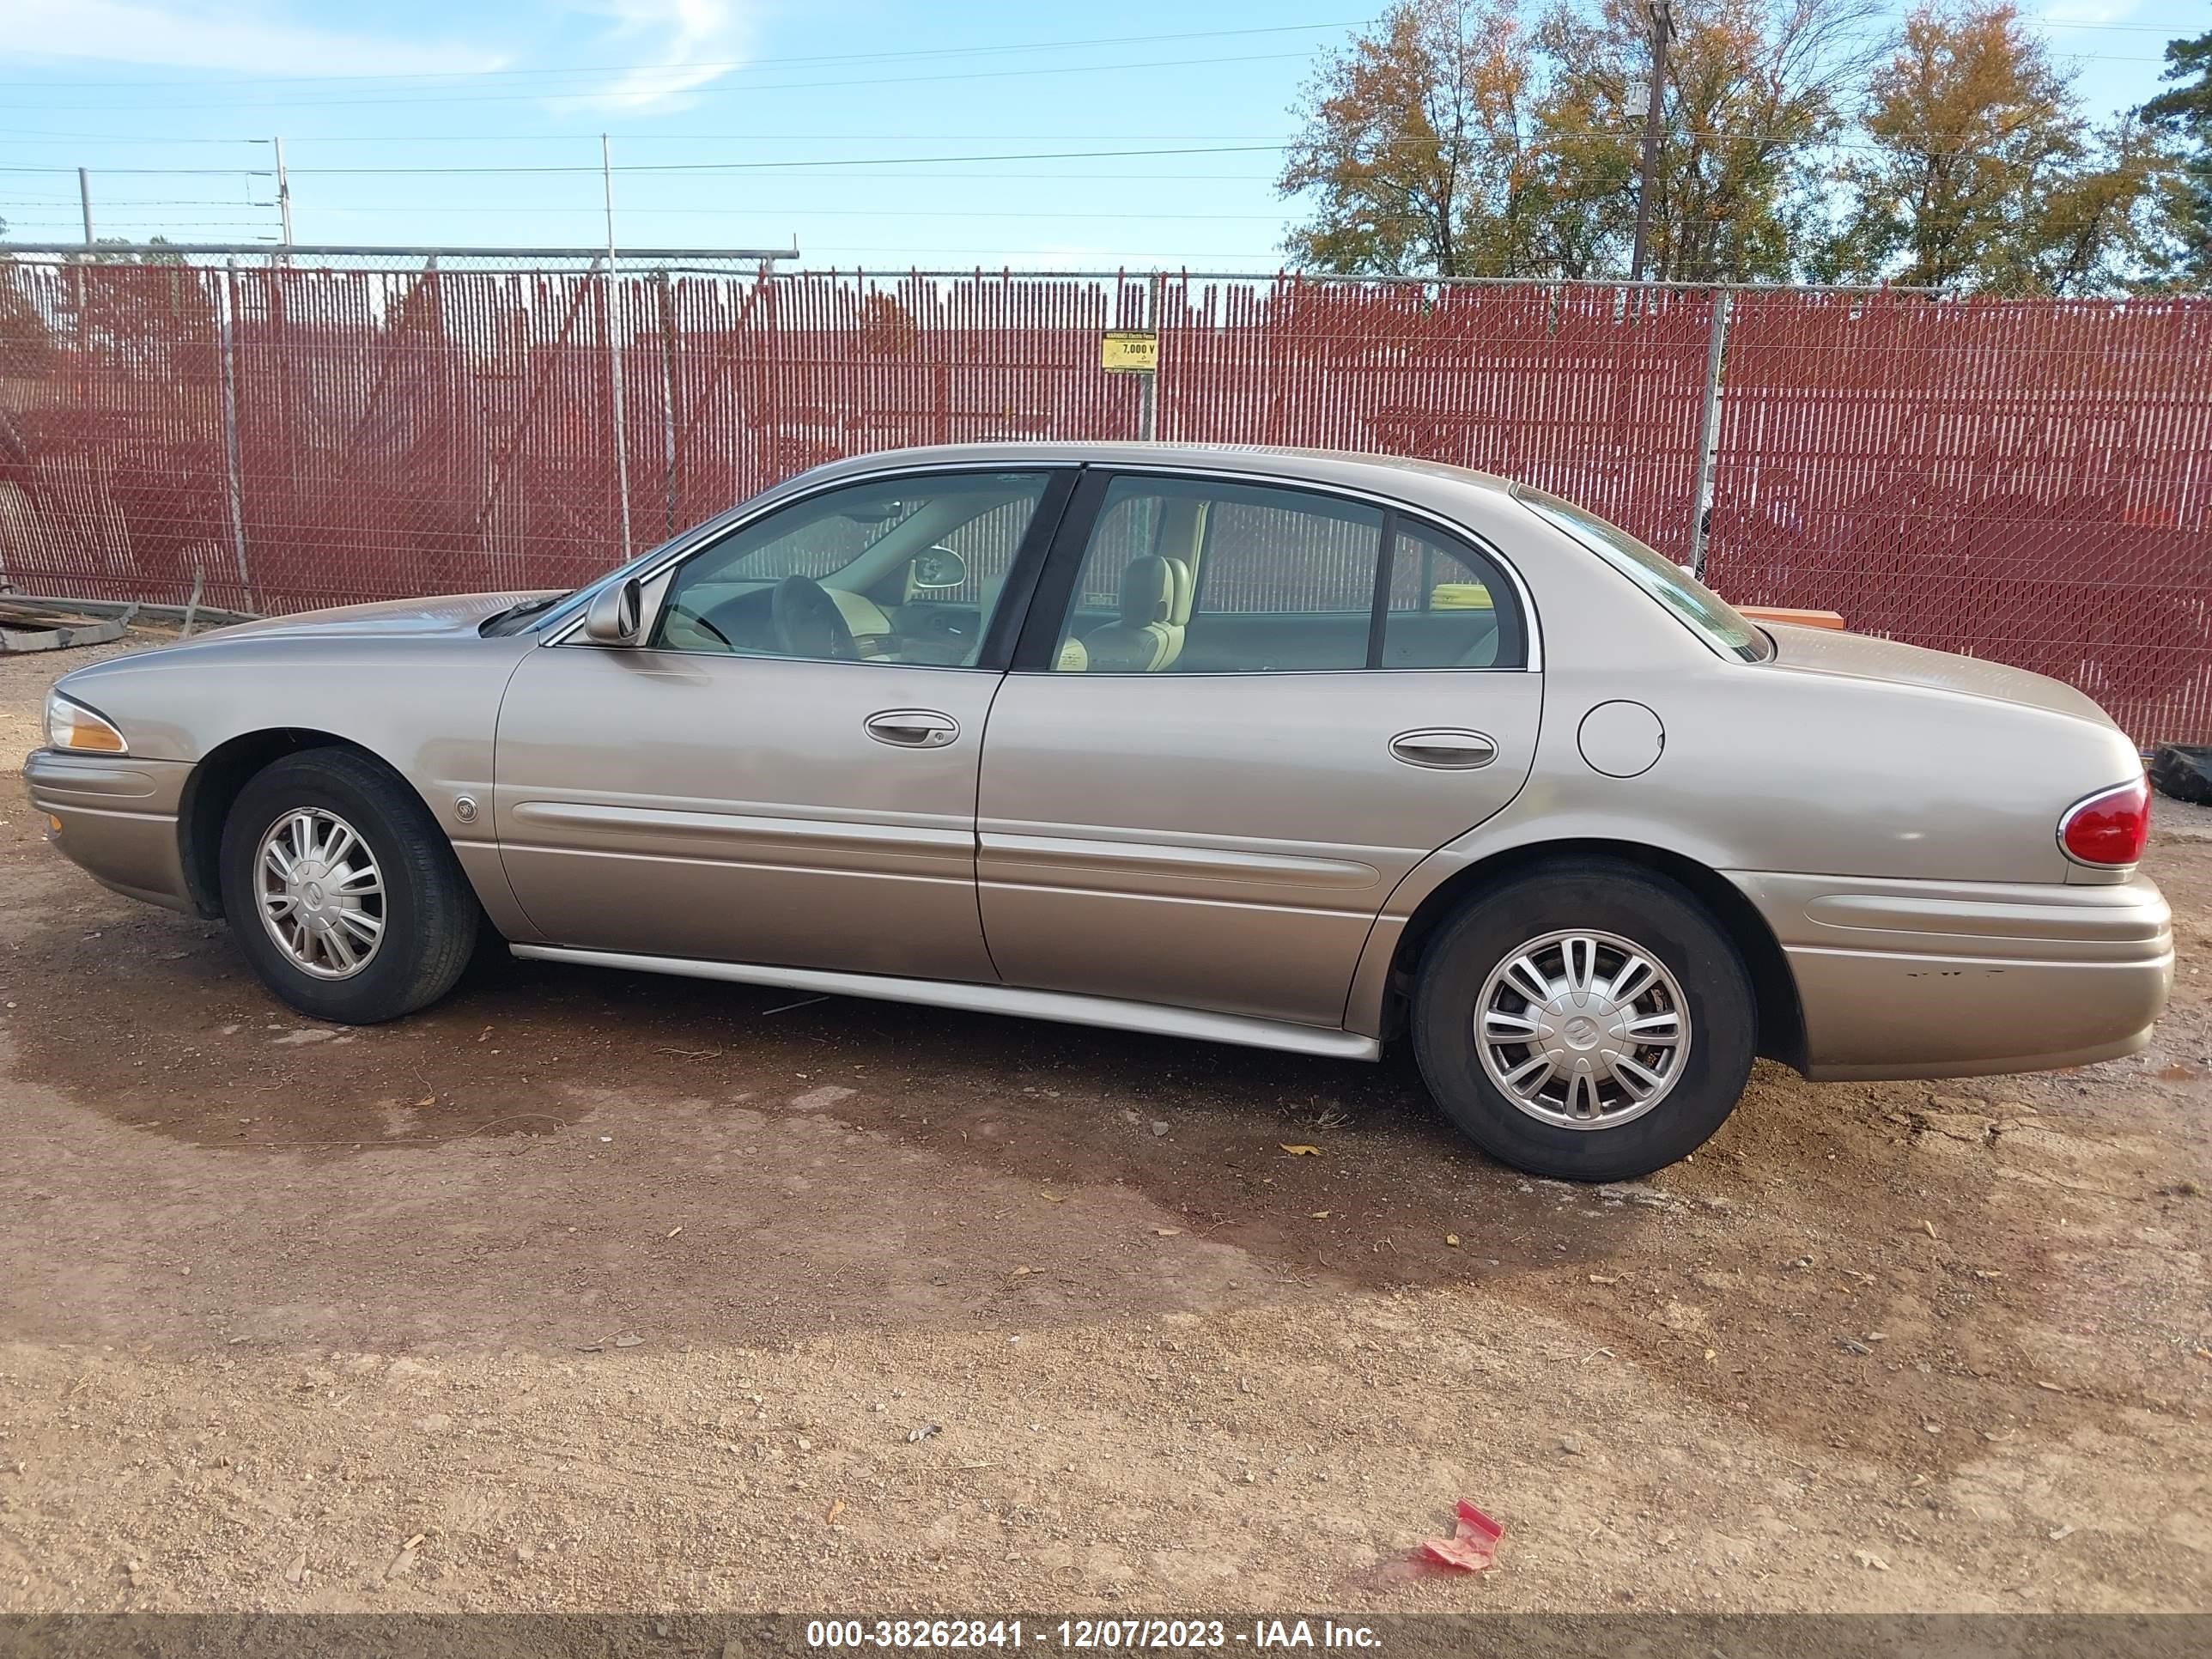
2026,480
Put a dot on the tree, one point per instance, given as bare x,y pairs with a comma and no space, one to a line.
146,305
1976,170
1454,140
27,351
2185,115
1754,89
887,327
2110,226
1415,146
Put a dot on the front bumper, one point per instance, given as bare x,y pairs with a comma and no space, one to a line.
1911,979
118,819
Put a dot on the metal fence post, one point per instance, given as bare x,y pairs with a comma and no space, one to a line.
234,475
668,396
615,401
1709,430
1148,384
614,351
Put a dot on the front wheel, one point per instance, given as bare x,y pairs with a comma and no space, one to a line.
1589,1021
342,891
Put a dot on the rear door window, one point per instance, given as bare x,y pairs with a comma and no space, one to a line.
1207,576
1450,607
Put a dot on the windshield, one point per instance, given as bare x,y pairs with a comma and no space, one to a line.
1707,614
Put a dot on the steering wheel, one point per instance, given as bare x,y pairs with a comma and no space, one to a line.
808,623
691,619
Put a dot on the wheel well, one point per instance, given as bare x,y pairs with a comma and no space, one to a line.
1781,1017
213,788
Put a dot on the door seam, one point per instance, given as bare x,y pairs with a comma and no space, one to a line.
498,842
975,827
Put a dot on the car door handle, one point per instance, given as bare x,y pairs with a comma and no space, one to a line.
1445,748
912,728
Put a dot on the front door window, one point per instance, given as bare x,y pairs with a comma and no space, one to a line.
899,571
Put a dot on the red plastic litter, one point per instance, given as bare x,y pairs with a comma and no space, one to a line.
1473,1544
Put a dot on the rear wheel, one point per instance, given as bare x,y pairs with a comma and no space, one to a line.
1588,1021
343,892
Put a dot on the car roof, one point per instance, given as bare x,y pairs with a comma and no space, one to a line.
1382,473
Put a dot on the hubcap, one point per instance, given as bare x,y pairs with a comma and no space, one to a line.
1582,1030
321,894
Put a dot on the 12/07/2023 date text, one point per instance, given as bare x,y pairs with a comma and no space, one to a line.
1085,1635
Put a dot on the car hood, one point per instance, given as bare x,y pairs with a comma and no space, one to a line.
1862,656
452,613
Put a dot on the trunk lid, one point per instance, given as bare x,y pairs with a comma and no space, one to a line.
1862,656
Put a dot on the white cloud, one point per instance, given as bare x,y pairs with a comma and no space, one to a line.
235,40
687,44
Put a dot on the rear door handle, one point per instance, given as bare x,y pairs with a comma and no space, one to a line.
912,728
1444,748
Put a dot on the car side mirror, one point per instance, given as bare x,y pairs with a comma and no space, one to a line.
614,616
938,568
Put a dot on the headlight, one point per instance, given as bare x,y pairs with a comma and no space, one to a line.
72,725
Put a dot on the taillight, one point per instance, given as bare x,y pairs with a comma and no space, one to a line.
2109,828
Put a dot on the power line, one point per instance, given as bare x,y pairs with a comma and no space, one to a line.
772,208
9,202
164,173
156,226
750,90
1538,139
780,136
734,65
672,166
903,249
599,96
77,138
809,164
2168,30
747,66
1056,178
728,65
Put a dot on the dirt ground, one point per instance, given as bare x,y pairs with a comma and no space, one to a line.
585,1292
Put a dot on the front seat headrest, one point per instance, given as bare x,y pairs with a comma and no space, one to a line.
1148,591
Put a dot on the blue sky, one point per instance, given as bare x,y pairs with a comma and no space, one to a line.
872,131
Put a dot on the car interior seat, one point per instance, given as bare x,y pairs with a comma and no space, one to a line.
1141,640
1158,592
1181,540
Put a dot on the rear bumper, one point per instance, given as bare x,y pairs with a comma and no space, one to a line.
118,817
1911,979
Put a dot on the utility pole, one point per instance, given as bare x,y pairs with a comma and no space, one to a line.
1662,27
84,200
283,196
614,348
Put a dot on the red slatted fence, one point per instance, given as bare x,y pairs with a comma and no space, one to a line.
2028,481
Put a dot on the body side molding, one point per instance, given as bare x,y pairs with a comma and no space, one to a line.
1110,1013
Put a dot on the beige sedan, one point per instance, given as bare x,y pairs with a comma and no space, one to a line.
1302,750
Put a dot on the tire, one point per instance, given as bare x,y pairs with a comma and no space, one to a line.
426,918
1469,966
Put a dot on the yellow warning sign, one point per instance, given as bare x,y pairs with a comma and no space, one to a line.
1460,596
1129,350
